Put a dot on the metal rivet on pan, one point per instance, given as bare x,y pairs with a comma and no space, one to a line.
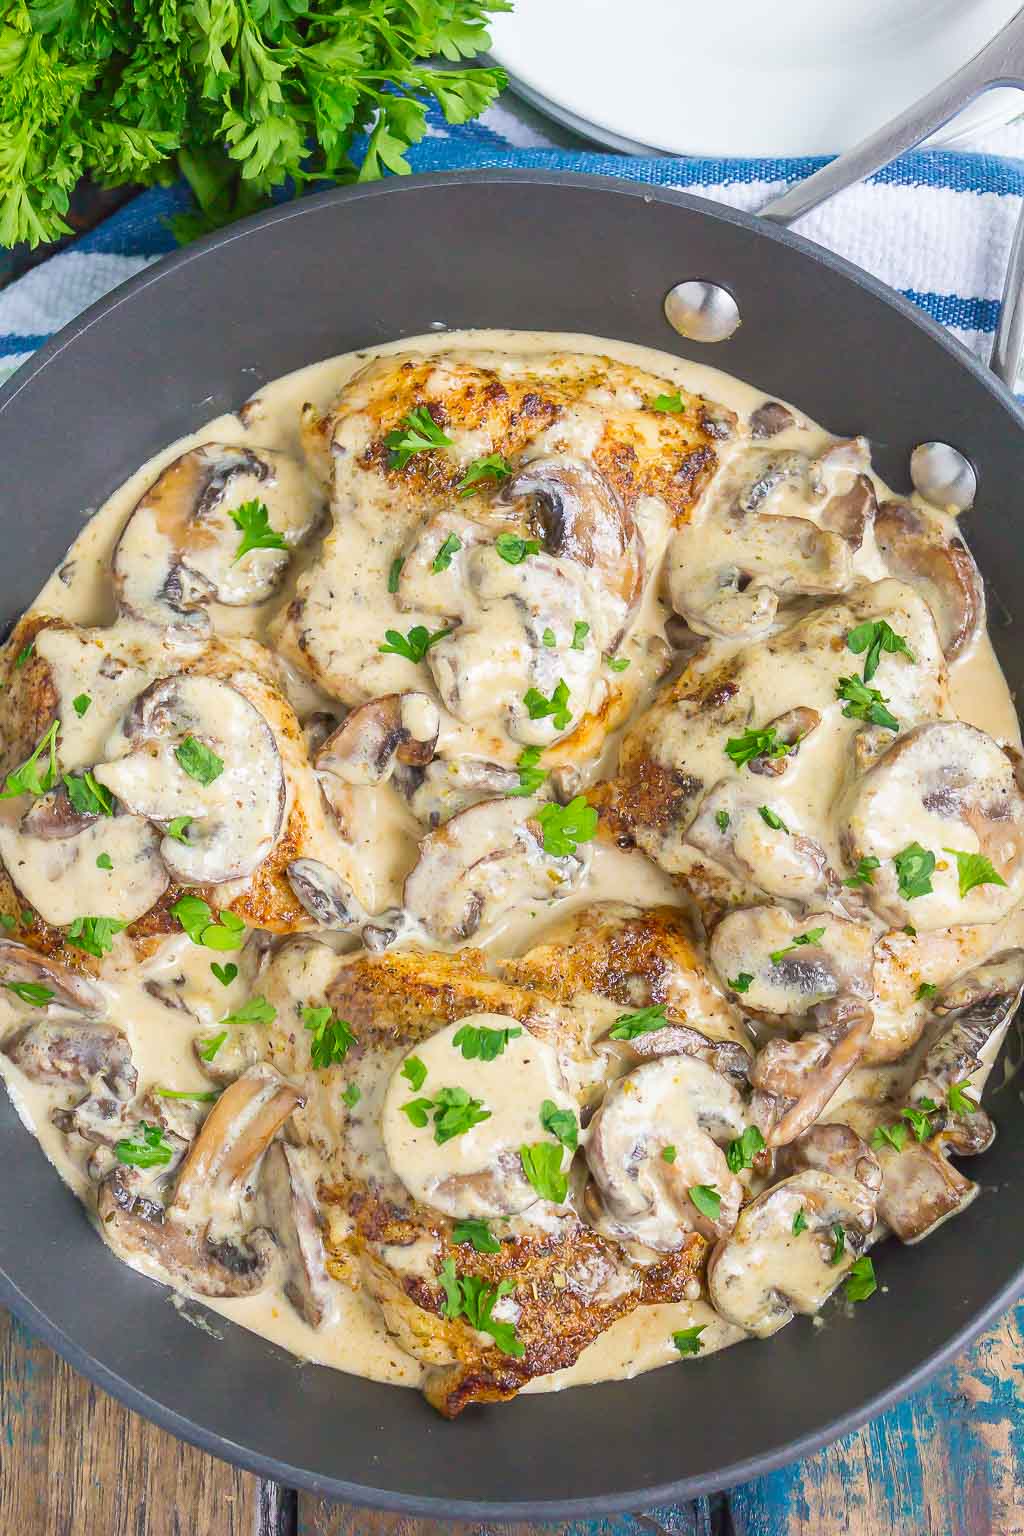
702,311
943,476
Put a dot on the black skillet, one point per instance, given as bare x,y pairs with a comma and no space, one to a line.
194,336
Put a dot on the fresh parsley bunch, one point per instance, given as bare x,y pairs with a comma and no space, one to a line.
238,96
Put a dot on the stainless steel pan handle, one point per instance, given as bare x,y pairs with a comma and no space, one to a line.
1000,62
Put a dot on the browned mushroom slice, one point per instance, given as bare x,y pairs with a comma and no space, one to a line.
674,1102
770,419
917,550
329,900
790,728
920,1188
179,549
792,964
974,1010
835,1149
197,747
365,746
53,817
235,1134
294,1212
60,878
21,966
581,518
726,1057
732,828
950,789
483,863
763,1273
803,1075
449,785
67,1051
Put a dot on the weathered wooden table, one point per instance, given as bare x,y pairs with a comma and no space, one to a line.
948,1462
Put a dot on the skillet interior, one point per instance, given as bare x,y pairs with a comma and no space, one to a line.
194,337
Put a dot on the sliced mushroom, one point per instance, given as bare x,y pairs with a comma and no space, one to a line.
321,891
179,549
433,575
803,1075
243,1046
781,861
481,864
974,1009
726,1057
675,1101
21,964
236,814
290,1193
581,518
818,957
948,788
197,1238
790,728
834,1149
770,419
53,817
450,785
67,1051
365,746
917,550
60,877
764,1273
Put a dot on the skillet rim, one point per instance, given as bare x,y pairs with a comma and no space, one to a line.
741,1470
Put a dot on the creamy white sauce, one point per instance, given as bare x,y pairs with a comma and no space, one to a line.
376,844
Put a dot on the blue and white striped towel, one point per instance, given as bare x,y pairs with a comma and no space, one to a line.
936,224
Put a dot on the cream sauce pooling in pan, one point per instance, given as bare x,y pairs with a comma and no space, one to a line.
473,694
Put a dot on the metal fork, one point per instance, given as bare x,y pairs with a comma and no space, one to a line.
1000,62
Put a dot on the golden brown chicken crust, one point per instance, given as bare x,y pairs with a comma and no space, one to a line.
606,953
28,697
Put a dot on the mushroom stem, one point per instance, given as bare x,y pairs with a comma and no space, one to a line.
234,1136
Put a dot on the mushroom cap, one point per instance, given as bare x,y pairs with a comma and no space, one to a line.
781,861
20,963
75,1051
804,974
761,1274
363,749
916,549
60,878
236,815
833,1148
321,891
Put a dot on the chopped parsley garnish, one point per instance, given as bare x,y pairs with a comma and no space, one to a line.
864,703
542,1165
256,1011
670,404
643,1022
910,930
557,706
722,819
176,828
894,1136
860,1282
974,869
443,559
958,1100
418,1111
580,631
94,934
395,572
743,749
455,1113
799,1222
687,1340
548,639
874,637
88,797
23,655
480,1041
253,522
209,1048
493,467
862,874
918,1117
838,1244
707,1200
469,1230
812,936
513,549
8,921
104,861
81,704
144,1148
198,761
926,989
418,434
772,818
200,1096
564,826
914,868
668,1154
413,646
30,992
741,983
561,1124
27,780
195,916
331,1037
414,1072
741,1152
530,776
618,663
225,974
471,1297
350,1098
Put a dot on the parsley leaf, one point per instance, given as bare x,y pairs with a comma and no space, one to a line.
618,663
144,1148
414,1072
94,934
722,819
894,1136
476,1232
864,703
974,869
812,936
958,1100
838,1244
470,1296
707,1200
530,776
331,1037
799,1222
23,655
740,983
560,1123
557,706
542,1165
350,1098
580,631
565,826
743,749
919,1119
256,1011
741,1153
253,522
514,550
81,704
860,1282
772,818
195,916
199,1096
642,1022
455,1113
418,433
481,1041
209,1048
914,868
198,761
672,405
926,989
27,780
225,974
104,861
549,639
875,636
862,874
30,992
669,1154
493,467
687,1340
443,559
87,796
418,1111
177,827
413,646
395,572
